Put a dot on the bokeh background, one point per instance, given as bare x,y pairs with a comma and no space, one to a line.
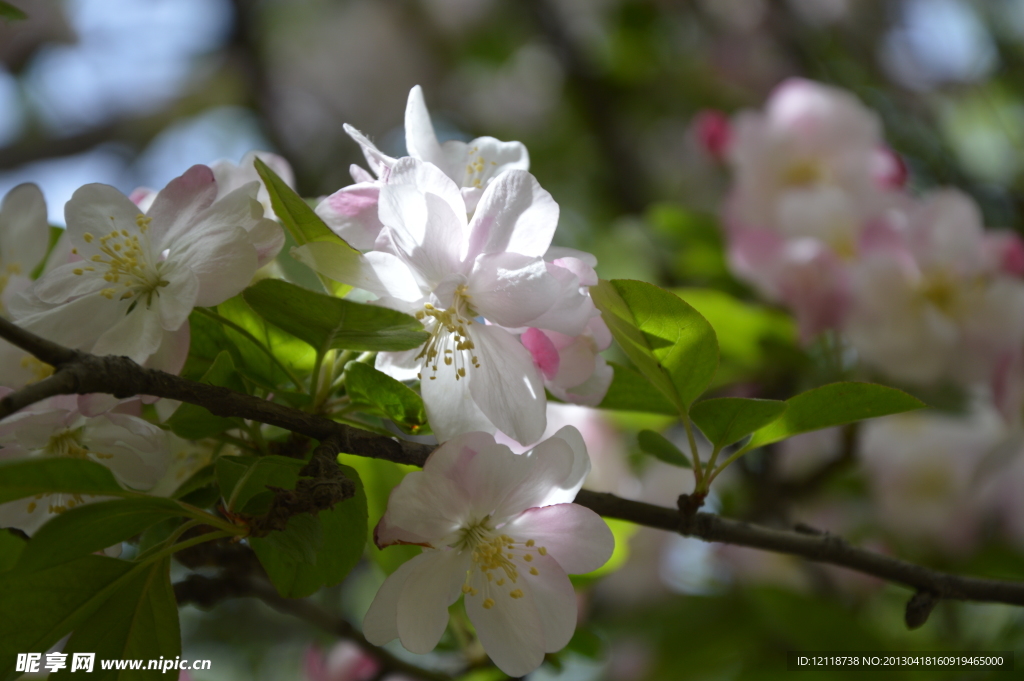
604,94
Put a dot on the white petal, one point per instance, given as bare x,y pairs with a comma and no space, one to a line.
401,366
380,625
62,284
576,537
176,300
429,179
450,406
24,230
379,163
179,204
136,335
507,386
98,209
553,595
434,584
427,505
568,487
453,454
485,158
420,139
511,289
351,213
76,324
510,631
544,470
515,214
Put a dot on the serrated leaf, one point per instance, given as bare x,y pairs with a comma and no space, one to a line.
344,531
629,391
11,13
660,448
193,422
671,344
243,478
726,420
329,323
29,477
139,621
835,404
39,607
384,396
89,528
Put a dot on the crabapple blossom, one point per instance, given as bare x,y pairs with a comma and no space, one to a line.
939,305
499,528
475,285
352,211
231,177
810,176
134,450
140,274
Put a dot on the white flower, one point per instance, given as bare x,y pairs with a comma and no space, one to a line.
498,527
133,449
351,211
24,235
475,285
140,275
939,306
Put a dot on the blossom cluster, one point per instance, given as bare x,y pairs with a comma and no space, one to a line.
819,218
457,235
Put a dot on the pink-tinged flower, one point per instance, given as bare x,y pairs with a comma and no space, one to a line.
352,211
924,473
939,306
713,131
572,367
475,284
345,661
24,234
133,449
231,177
140,275
500,528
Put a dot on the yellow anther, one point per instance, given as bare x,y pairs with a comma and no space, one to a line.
518,593
500,582
542,551
530,543
31,507
79,271
466,588
488,603
533,571
88,237
528,558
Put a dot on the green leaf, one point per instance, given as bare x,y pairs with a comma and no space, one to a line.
29,477
11,546
299,219
329,323
89,528
193,422
629,391
139,621
243,478
378,478
39,607
726,420
344,531
834,405
660,448
384,396
204,477
299,542
11,13
668,341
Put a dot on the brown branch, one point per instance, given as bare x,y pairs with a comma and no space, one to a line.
122,377
206,592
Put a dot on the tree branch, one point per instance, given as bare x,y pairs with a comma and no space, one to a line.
122,377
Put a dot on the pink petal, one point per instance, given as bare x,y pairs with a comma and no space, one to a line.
545,355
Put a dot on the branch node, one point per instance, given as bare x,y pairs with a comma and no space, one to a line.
919,607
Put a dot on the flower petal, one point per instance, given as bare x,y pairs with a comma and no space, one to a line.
483,159
382,274
510,630
576,537
514,214
351,213
510,289
136,335
553,595
379,163
178,205
426,505
380,625
434,584
450,405
420,139
507,387
23,227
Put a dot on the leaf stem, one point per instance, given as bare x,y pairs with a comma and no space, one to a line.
698,471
